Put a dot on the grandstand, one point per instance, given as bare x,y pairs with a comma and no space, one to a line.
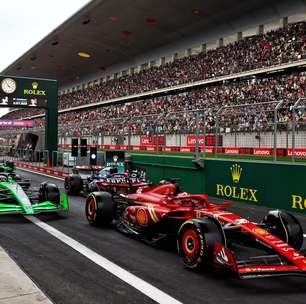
185,81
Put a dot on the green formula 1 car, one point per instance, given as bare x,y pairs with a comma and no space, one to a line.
14,199
7,167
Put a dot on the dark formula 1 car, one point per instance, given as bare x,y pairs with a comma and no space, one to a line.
206,233
14,199
107,179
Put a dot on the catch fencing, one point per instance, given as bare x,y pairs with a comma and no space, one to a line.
274,130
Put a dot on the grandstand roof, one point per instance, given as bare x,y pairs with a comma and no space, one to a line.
113,31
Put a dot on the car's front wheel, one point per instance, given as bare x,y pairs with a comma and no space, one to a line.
286,227
196,241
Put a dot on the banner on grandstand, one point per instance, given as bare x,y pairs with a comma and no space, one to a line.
209,140
152,140
16,123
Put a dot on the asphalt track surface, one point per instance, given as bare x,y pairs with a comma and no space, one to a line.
68,277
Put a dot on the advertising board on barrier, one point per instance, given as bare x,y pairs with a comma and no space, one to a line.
263,151
231,151
209,150
260,183
232,188
136,148
298,152
185,149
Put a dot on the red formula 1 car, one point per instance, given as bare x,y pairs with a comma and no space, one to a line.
206,233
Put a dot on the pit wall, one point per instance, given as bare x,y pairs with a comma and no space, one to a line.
273,185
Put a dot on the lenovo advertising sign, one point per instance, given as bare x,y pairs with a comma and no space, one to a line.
298,152
209,140
152,140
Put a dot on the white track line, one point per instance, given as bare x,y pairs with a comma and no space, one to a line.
141,285
43,174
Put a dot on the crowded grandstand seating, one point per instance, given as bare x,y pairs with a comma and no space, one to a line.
275,47
280,46
170,114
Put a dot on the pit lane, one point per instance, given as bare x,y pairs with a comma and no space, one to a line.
69,277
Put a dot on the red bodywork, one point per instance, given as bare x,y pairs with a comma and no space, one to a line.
151,205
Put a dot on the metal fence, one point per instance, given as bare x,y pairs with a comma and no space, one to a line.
270,130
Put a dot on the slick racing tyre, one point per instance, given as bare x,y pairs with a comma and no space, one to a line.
285,226
100,208
73,184
49,192
196,241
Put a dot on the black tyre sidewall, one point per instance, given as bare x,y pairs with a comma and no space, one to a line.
103,206
50,192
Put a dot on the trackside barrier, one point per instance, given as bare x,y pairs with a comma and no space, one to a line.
260,152
45,170
258,183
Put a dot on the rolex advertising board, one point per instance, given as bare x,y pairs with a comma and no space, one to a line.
258,183
24,92
274,185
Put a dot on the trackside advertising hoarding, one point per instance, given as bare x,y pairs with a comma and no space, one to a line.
298,152
258,183
269,184
263,151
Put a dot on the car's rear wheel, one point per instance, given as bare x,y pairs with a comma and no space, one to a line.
49,192
73,184
286,227
100,208
196,241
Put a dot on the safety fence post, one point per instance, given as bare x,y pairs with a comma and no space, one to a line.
197,134
204,133
275,130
